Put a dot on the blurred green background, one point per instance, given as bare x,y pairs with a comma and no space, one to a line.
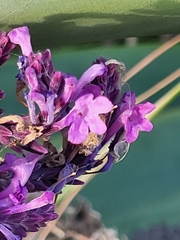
56,23
143,189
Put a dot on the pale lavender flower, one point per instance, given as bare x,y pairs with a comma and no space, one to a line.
131,117
134,120
84,117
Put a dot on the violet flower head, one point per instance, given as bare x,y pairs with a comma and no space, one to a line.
134,120
95,121
5,47
85,117
15,214
131,118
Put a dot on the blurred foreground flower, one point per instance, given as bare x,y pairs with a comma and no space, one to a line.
97,123
17,217
6,46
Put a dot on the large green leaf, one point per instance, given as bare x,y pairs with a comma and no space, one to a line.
54,23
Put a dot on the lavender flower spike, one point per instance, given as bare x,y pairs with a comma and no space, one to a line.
21,37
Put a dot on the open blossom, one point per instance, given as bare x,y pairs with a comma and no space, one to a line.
15,214
134,120
131,117
85,117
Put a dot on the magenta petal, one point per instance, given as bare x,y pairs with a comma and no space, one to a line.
102,104
50,107
96,125
87,98
93,72
78,132
146,125
7,233
131,133
39,99
32,109
31,78
146,108
21,37
43,200
70,85
22,168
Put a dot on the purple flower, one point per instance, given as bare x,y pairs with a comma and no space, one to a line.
131,117
21,37
20,169
15,214
17,221
5,48
84,117
134,120
88,76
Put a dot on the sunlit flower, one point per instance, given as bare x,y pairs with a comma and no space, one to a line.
84,117
131,117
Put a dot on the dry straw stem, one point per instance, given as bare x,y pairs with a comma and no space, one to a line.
151,57
160,85
164,100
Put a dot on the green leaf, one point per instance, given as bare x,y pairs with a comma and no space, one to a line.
54,23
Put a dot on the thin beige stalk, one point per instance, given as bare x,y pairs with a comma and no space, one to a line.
151,57
165,100
160,85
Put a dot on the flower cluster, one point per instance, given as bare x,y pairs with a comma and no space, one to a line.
96,121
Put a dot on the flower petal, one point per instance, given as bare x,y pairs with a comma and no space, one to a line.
78,132
145,108
101,104
96,125
88,76
146,125
21,37
31,78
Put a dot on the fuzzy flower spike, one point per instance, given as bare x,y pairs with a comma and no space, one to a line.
96,121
